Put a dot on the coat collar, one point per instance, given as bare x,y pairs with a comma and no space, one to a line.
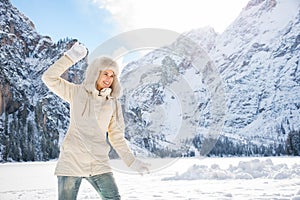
105,92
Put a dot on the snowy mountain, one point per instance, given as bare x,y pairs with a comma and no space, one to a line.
170,106
257,58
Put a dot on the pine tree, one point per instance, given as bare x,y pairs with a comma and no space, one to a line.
293,143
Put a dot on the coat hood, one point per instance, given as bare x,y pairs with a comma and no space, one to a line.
92,73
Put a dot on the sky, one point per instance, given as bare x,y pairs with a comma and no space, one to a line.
93,22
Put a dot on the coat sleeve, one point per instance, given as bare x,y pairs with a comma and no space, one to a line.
52,78
116,136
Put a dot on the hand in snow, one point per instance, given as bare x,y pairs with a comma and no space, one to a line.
140,167
76,52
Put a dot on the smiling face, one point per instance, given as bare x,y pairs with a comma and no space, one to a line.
105,79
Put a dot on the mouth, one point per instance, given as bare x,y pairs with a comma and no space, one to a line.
106,83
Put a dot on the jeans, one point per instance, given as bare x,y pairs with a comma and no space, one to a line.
68,186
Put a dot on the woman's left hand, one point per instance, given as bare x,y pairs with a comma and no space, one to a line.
140,166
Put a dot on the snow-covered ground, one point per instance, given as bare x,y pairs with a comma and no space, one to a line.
186,178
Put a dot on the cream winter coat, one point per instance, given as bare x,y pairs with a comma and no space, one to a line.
84,151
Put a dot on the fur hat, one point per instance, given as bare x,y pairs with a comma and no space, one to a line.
92,73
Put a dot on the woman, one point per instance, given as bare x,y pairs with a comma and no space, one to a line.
94,112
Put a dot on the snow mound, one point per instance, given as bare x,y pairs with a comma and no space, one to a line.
244,170
297,196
